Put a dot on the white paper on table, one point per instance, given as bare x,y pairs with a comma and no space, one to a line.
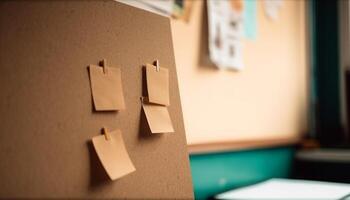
279,189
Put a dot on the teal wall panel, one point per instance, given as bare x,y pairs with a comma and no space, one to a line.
218,172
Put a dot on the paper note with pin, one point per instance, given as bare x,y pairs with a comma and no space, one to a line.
110,149
106,87
157,84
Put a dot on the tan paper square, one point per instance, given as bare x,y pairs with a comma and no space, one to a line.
157,85
113,154
107,91
158,118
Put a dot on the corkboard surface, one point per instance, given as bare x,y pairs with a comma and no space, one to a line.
47,117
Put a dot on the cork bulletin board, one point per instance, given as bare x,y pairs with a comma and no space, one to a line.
47,117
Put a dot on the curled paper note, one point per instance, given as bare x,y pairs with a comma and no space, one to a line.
158,118
113,155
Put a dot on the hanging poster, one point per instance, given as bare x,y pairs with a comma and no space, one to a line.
225,20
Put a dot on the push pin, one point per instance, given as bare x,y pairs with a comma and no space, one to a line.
106,133
144,100
157,65
104,65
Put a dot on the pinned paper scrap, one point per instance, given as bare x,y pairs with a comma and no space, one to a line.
157,84
158,118
106,86
113,155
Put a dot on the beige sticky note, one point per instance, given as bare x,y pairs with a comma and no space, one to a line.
158,118
113,154
157,85
107,91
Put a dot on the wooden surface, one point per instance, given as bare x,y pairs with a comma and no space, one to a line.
47,117
240,145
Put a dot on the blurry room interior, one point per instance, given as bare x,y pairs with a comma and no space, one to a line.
263,87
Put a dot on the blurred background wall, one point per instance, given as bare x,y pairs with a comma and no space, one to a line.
266,100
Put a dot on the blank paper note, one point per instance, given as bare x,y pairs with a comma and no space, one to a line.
106,86
158,118
157,85
113,154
